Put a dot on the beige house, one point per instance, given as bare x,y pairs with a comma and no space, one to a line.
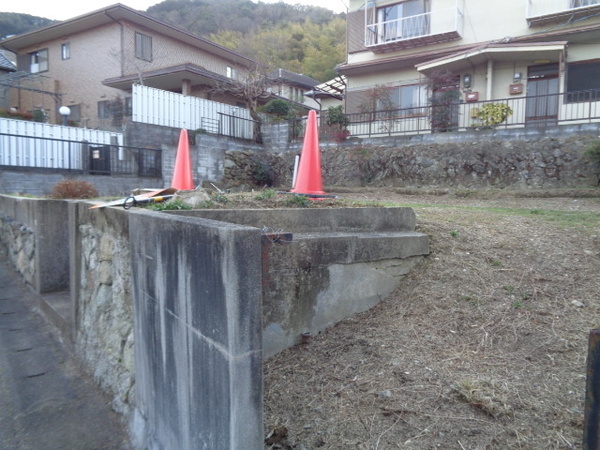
293,86
539,57
89,64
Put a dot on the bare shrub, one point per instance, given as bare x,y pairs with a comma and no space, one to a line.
73,189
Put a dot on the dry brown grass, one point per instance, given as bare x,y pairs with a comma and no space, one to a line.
483,347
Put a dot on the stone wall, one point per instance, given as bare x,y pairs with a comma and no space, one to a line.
102,298
19,240
485,161
36,238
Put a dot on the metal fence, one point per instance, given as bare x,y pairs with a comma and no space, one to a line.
82,156
169,109
516,112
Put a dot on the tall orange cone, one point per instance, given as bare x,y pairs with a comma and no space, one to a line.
182,176
308,179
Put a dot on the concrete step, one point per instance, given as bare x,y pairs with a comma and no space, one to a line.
56,307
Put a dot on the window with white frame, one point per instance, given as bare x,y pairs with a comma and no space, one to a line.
143,46
39,61
231,72
402,20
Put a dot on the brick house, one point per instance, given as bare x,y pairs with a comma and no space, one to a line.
544,53
89,63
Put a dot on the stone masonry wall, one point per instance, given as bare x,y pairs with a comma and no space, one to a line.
544,162
102,292
19,241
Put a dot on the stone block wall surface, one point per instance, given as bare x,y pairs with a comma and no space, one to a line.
101,297
198,333
486,159
36,237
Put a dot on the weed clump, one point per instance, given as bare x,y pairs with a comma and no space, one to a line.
70,189
299,201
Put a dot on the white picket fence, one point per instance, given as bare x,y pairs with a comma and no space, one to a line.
33,144
157,107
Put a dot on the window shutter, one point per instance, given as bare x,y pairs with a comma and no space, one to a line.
356,31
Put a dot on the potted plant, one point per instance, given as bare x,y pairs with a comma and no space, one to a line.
339,122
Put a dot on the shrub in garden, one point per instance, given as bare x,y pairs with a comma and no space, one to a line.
493,114
73,189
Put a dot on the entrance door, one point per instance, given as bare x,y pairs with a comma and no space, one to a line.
100,160
541,109
445,103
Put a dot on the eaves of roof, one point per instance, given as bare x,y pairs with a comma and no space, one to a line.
117,13
169,78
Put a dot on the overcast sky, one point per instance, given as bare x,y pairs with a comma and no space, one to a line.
66,9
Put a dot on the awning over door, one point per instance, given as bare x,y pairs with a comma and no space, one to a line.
457,62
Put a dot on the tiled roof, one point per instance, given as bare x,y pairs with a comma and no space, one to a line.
5,64
292,78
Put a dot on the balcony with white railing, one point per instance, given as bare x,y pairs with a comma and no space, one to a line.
432,27
542,12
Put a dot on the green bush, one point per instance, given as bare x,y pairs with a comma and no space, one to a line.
278,107
337,118
493,114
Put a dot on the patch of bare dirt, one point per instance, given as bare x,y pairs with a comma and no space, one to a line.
483,346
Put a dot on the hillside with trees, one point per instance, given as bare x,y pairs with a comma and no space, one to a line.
15,23
304,39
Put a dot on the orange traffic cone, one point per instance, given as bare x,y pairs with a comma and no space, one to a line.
182,177
308,179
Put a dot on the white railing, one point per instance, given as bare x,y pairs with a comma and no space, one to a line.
539,8
158,107
438,22
33,144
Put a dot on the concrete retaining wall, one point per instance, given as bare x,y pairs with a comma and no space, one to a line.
195,293
320,266
198,335
40,182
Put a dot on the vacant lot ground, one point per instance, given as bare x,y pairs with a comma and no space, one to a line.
483,347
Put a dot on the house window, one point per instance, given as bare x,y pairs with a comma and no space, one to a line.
39,61
402,21
104,109
143,46
75,115
231,73
409,99
583,81
65,51
128,108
